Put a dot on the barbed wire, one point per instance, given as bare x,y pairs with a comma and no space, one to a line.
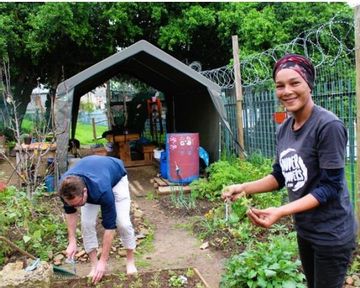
324,44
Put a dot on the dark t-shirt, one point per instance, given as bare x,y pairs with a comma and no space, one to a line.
100,174
319,144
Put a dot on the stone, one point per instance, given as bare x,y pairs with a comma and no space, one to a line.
349,280
13,277
59,257
204,246
80,254
138,214
122,253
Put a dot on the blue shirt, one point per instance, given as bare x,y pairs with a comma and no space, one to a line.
100,174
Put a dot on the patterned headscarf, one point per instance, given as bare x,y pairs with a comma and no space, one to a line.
298,63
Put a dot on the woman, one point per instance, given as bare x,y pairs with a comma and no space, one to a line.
310,161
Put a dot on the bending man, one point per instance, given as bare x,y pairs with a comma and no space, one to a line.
94,182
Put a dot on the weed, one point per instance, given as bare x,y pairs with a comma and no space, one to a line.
155,281
151,195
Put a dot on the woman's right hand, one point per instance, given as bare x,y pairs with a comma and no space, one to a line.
233,192
71,250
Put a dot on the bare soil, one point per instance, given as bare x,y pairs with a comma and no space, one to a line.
174,246
151,279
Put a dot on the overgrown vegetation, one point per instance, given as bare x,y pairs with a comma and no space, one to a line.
31,224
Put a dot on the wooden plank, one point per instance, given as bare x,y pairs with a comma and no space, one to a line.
164,190
201,277
160,181
166,181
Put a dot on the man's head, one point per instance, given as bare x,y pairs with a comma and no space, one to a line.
73,191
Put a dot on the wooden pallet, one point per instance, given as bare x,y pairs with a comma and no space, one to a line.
164,187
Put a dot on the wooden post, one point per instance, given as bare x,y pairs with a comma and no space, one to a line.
94,128
238,92
108,106
357,67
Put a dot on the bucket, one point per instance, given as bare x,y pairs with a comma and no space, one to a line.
157,153
163,165
182,157
49,183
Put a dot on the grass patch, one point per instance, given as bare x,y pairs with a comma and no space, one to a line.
84,133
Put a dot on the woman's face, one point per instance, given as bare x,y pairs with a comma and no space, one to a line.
292,90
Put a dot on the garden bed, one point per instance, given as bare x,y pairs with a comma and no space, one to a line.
186,277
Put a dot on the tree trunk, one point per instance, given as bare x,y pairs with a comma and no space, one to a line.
22,96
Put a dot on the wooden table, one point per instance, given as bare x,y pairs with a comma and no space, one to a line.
122,142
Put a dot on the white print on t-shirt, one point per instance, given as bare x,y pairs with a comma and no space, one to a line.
293,169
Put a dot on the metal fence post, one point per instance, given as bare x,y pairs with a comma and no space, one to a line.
357,67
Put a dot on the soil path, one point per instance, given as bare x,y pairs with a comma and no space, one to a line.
174,247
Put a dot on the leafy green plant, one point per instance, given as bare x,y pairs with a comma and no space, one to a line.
265,264
177,281
226,172
30,224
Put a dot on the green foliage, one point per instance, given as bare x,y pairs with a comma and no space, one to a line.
269,264
87,106
30,224
176,280
223,173
238,224
26,126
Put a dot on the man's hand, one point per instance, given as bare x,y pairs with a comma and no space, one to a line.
264,218
233,192
99,271
71,250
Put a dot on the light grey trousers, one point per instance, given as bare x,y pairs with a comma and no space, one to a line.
89,214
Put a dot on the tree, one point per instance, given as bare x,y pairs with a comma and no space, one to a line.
55,40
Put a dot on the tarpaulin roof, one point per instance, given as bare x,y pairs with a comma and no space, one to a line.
196,102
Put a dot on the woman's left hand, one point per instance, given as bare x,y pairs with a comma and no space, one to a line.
264,218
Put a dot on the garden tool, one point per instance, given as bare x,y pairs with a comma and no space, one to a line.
65,272
30,267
